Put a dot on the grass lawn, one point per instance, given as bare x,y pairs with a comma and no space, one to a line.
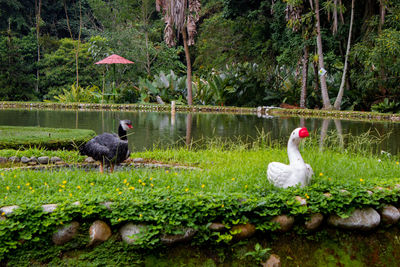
52,138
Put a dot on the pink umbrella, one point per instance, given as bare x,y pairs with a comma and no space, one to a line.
113,59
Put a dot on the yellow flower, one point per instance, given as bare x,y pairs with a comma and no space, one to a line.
78,187
70,194
127,184
15,176
307,196
30,188
33,191
119,219
233,179
321,174
64,182
202,186
397,162
222,205
140,181
167,171
7,187
187,189
91,184
63,186
167,187
151,178
119,192
125,181
131,188
361,180
140,215
3,213
27,184
245,186
60,190
175,173
2,174
117,189
143,184
18,187
151,185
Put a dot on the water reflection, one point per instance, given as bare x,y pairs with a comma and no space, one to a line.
165,128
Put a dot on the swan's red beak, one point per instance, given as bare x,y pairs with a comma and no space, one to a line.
303,132
129,126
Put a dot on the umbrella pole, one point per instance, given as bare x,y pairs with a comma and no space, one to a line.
114,84
104,82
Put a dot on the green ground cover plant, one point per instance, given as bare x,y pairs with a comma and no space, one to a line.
228,185
15,137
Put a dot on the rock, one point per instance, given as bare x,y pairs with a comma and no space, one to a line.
55,159
285,222
43,160
390,214
130,232
49,207
159,100
273,261
60,163
25,160
187,234
243,230
33,159
8,209
14,159
32,163
107,204
301,200
99,232
138,160
328,195
360,219
89,160
314,222
217,227
3,160
66,233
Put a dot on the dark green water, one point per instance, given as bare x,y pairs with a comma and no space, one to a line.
163,129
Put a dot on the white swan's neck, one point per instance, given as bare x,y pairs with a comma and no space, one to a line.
294,155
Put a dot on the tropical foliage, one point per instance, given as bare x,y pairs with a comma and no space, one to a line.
267,44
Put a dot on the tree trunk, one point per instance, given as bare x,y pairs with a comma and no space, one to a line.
38,7
339,97
189,68
324,88
304,78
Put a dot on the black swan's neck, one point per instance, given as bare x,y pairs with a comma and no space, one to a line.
122,133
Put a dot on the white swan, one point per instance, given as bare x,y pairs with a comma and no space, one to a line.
297,172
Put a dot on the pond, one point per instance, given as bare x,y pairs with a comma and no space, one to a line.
163,129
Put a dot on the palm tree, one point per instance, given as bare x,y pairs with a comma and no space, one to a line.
182,16
339,97
324,88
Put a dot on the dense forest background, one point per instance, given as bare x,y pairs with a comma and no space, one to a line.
246,53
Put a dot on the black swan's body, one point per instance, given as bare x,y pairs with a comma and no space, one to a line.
109,149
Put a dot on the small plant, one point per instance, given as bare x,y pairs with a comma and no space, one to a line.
259,254
90,94
386,106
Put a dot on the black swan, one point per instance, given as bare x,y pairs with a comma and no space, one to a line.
109,149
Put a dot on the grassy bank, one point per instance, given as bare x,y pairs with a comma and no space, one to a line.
228,185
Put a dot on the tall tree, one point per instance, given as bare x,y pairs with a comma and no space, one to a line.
38,7
324,88
339,97
181,15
